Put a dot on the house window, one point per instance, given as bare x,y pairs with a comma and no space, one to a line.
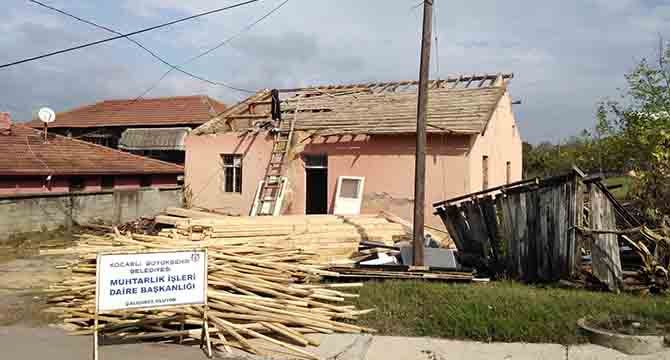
485,172
232,173
107,182
508,172
145,181
76,183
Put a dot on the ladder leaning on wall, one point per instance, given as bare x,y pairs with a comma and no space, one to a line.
271,190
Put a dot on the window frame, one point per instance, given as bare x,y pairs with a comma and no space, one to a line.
236,169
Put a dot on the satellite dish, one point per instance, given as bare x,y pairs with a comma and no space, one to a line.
46,115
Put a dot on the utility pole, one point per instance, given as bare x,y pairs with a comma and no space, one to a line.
420,161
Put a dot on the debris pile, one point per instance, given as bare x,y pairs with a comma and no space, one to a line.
256,291
334,238
568,228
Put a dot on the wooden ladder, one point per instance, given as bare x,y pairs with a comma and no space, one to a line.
273,181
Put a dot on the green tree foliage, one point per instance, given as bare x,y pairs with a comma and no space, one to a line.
638,128
591,154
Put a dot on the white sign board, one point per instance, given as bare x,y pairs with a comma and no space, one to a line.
151,279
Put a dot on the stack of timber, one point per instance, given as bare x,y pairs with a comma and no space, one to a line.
399,272
334,238
256,291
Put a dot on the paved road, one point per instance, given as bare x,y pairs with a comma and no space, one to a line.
26,343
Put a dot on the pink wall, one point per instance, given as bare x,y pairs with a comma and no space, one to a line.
127,182
92,183
204,169
501,142
387,163
31,184
59,184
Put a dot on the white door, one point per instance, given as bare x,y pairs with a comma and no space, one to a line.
349,195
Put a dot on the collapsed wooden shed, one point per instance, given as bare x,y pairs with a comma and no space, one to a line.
533,230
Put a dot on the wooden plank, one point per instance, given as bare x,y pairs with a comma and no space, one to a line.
605,247
510,207
505,229
478,232
460,228
542,239
451,228
490,217
529,261
576,219
521,233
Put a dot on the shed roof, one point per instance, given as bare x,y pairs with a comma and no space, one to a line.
166,111
154,138
26,153
458,104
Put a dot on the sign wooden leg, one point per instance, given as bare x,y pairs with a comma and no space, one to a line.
181,327
205,329
95,336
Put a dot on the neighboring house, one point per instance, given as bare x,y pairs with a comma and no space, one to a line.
353,147
32,164
150,127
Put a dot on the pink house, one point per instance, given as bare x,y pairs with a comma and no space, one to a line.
351,148
31,163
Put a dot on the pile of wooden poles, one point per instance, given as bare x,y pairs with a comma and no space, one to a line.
267,293
334,238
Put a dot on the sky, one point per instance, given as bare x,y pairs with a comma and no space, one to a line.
566,56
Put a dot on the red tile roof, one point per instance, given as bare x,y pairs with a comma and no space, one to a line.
24,152
178,110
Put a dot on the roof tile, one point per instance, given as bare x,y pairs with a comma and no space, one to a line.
26,153
179,110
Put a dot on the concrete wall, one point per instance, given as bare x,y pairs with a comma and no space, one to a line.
204,169
40,212
501,142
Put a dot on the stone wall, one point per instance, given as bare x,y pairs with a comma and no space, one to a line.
26,213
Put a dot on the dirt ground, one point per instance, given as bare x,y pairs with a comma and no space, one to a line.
23,273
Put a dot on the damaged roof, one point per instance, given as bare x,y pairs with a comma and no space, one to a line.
26,153
178,110
458,104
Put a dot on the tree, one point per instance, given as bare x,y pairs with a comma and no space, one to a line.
639,129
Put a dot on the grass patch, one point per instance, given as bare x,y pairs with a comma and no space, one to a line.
501,311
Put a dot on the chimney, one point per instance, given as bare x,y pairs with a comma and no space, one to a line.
5,121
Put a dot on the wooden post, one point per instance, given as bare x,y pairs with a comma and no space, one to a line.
420,161
95,319
205,339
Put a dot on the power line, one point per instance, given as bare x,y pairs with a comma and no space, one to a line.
437,43
172,67
126,35
224,42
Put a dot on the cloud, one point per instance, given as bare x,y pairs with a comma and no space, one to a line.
566,55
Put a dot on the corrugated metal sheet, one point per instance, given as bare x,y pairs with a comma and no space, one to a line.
154,138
